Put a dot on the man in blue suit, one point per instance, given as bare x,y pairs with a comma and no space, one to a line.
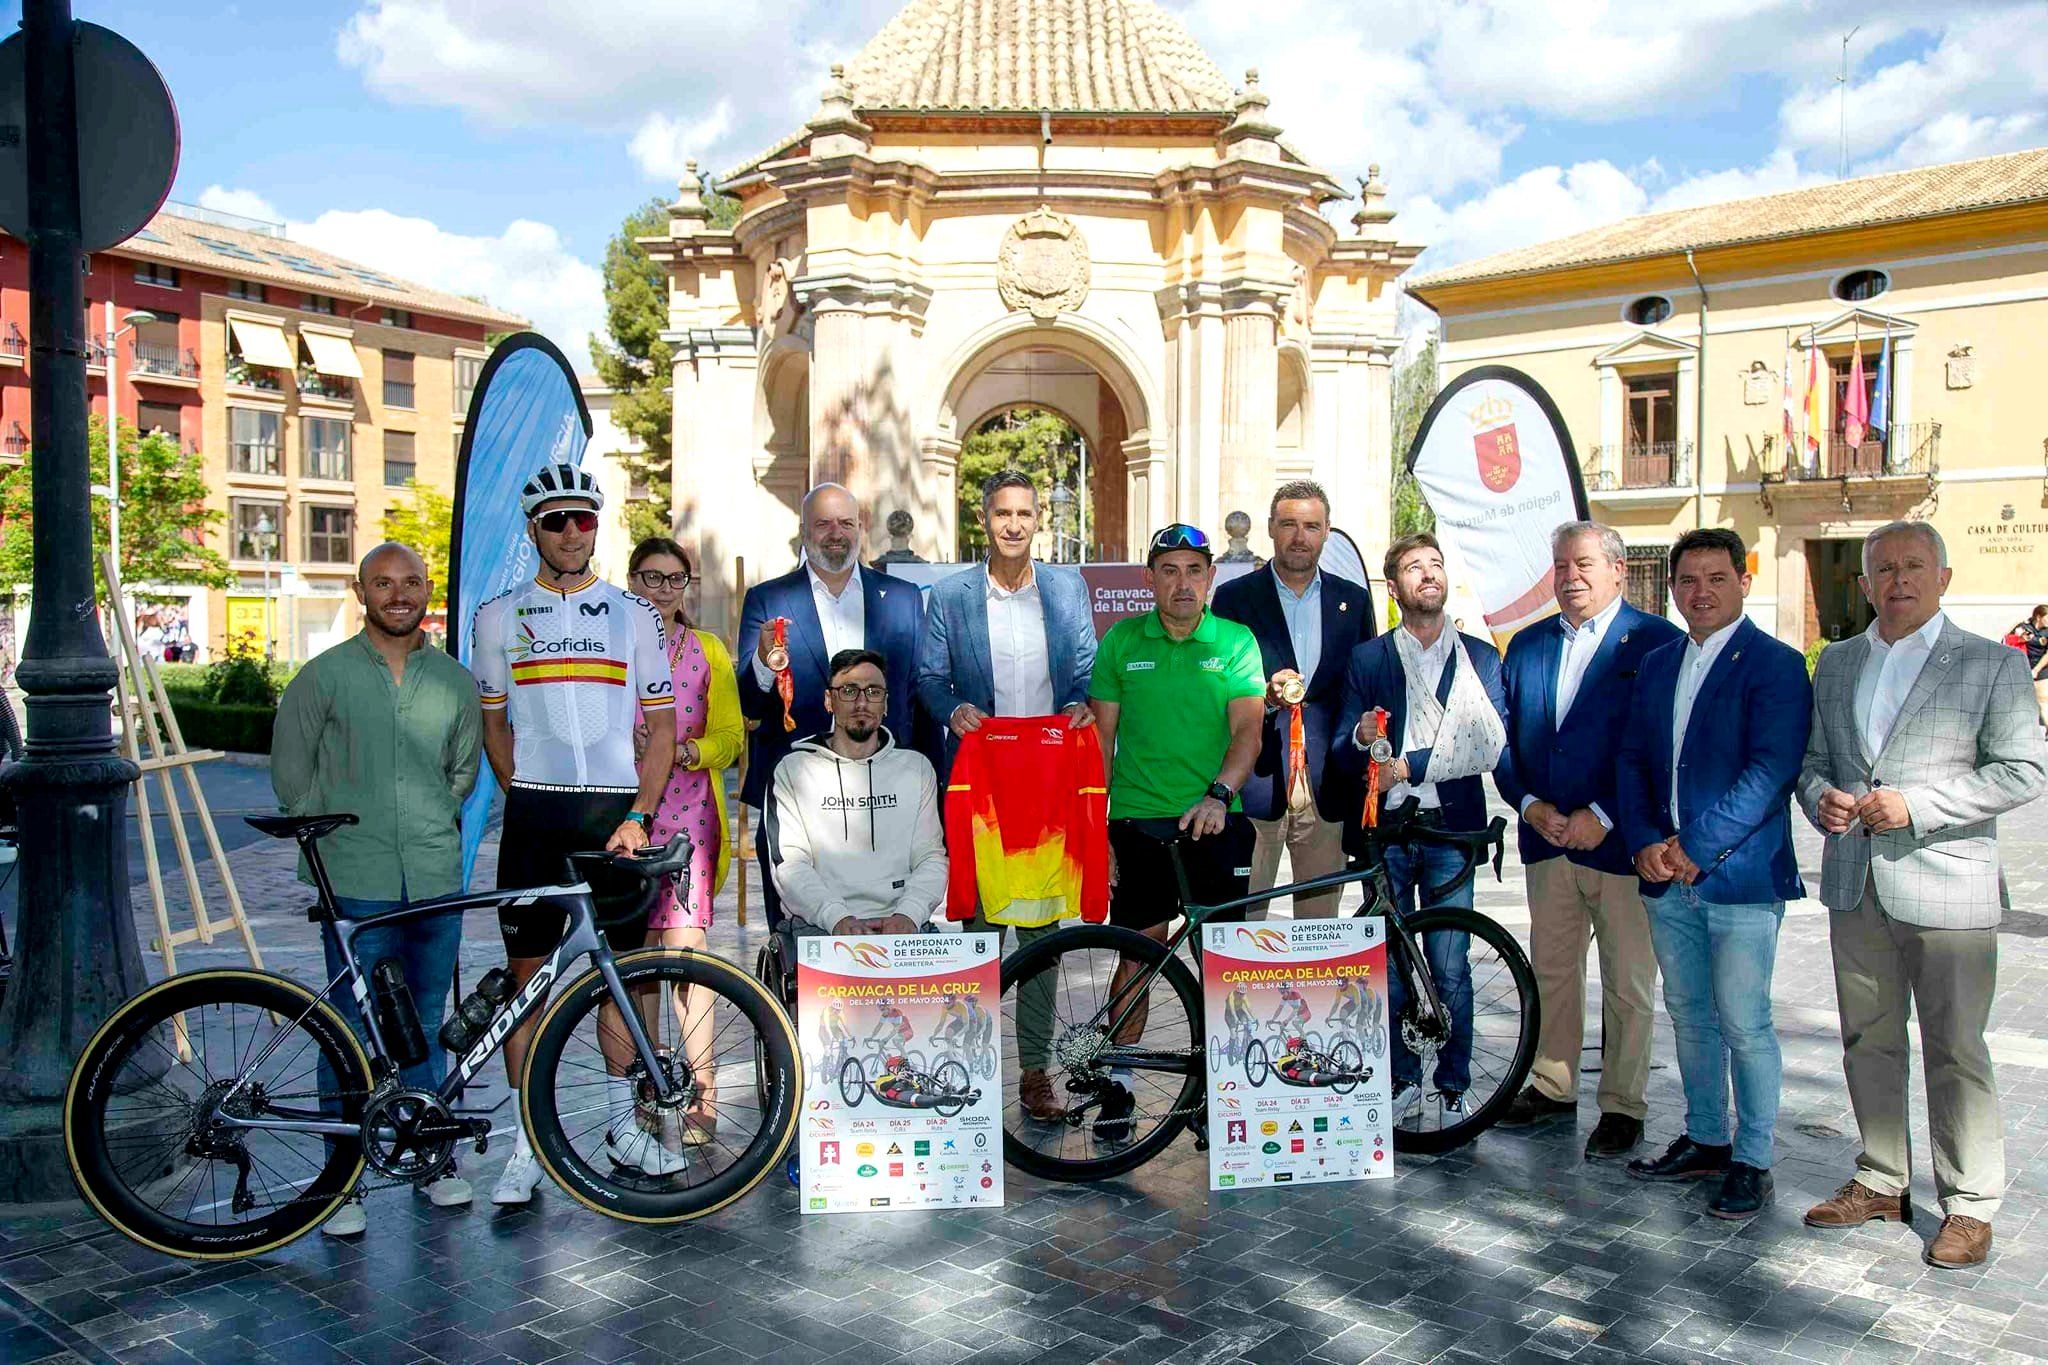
1718,729
1307,622
1012,638
1447,720
1568,680
830,604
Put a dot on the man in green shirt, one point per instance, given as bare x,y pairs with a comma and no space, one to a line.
1179,694
391,730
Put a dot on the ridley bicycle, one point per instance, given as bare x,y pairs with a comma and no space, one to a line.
1150,1038
222,1114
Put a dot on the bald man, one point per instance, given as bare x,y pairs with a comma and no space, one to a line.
391,731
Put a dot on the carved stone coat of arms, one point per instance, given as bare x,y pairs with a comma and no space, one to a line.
1043,265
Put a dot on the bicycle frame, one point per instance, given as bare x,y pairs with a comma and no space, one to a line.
581,940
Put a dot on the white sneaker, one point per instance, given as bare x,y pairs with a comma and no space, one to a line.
516,1182
1407,1101
642,1152
348,1221
1454,1105
449,1192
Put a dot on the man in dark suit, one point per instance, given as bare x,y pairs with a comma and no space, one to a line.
1307,623
830,604
1447,721
1718,726
1568,681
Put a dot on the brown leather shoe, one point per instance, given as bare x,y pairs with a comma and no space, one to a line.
1961,1243
1035,1097
1856,1204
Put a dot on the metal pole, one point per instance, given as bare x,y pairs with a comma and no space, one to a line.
1842,107
1081,495
113,436
77,952
1699,402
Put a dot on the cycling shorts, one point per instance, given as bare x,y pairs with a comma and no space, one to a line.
542,828
1146,894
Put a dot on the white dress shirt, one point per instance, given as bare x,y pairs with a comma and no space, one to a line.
1692,672
1581,643
842,619
1888,677
1017,654
1304,614
1434,659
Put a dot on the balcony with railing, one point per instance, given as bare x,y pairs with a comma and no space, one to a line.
1904,459
169,364
325,388
14,444
1639,471
242,374
13,346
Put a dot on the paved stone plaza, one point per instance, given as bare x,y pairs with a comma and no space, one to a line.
1513,1249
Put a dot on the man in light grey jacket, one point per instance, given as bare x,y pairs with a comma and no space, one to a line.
1923,735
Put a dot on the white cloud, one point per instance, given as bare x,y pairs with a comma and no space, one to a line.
1780,171
664,144
1549,201
525,269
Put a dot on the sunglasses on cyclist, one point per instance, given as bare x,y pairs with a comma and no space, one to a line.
853,692
560,520
651,578
1178,536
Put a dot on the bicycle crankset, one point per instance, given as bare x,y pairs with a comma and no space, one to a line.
411,1134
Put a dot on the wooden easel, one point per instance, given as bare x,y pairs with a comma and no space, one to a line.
742,846
150,739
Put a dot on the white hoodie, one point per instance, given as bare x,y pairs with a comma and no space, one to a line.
856,836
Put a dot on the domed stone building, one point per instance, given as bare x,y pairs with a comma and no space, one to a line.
1059,203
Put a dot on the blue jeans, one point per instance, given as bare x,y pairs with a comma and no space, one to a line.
426,949
1413,868
1717,963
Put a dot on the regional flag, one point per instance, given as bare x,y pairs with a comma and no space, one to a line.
1789,443
1816,422
1856,404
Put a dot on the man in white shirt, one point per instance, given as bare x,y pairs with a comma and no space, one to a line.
1923,735
1012,638
798,623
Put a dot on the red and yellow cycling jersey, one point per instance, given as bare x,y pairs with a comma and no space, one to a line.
1027,824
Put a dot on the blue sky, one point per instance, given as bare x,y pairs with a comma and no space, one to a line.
493,145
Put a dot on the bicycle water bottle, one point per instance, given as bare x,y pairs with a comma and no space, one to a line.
476,1010
398,1019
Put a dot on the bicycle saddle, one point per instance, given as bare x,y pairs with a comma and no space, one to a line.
299,826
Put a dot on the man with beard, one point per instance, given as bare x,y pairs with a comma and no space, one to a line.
1447,719
1307,623
826,605
567,667
389,731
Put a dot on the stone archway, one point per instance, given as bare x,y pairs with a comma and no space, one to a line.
1073,367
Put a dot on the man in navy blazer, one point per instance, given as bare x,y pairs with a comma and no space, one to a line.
1717,732
1568,682
1307,622
831,604
1460,736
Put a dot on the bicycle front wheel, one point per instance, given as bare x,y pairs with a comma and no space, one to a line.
1505,1017
717,1033
1057,1013
143,1117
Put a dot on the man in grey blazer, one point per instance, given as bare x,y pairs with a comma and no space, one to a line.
1011,638
1923,735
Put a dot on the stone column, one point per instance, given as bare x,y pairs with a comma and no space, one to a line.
715,374
938,534
1251,399
839,415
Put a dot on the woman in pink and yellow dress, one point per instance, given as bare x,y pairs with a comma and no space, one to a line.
710,735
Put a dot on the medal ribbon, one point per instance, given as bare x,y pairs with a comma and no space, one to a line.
785,683
1371,818
1297,756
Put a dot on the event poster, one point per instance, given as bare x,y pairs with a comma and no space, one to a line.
1297,1020
903,1092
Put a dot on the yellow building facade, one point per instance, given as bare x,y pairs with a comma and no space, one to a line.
1666,340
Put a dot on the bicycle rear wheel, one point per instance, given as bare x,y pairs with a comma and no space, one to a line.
1058,988
1504,1023
142,1114
742,1072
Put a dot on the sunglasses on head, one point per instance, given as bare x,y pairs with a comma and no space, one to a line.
1179,536
560,520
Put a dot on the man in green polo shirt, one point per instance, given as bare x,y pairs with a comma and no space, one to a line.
1179,696
389,729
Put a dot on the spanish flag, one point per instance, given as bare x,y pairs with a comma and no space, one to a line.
1816,419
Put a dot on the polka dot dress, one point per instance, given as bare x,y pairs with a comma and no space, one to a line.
688,804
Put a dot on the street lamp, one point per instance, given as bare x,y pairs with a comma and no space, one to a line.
265,535
138,318
1062,500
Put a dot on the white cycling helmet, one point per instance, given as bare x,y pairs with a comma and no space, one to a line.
557,481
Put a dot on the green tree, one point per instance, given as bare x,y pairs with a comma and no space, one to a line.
1415,388
164,516
1032,440
636,363
425,521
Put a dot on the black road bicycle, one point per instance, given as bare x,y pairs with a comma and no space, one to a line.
223,1114
1149,1036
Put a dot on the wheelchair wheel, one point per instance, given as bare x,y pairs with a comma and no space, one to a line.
952,1081
1348,1060
853,1082
1256,1064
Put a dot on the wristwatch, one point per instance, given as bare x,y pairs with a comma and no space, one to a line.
1219,792
642,818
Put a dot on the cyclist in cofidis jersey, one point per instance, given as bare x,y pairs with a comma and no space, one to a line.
566,666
